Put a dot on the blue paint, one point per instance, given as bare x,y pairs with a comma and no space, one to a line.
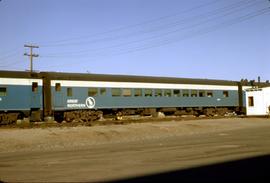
21,98
107,101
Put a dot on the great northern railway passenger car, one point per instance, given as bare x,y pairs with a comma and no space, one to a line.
138,94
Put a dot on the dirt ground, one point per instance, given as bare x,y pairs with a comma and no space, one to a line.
65,138
98,153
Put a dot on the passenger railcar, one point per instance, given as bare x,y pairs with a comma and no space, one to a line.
138,94
74,96
20,95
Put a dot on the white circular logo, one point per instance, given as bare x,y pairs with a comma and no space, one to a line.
90,102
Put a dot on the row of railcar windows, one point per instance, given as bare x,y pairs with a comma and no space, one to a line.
127,92
137,92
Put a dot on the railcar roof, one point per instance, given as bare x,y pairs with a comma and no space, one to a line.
131,78
119,78
19,74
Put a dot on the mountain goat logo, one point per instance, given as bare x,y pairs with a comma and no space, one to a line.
90,102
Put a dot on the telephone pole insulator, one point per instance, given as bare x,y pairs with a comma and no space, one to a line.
31,55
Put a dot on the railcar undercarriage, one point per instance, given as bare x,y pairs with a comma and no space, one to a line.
9,117
117,114
85,116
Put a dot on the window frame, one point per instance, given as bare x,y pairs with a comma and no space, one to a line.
251,101
176,94
118,94
138,94
167,92
69,91
126,92
194,93
102,91
209,94
148,92
90,93
58,87
3,93
158,92
185,93
34,87
225,93
202,93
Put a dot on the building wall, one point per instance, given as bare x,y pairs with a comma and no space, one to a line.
261,102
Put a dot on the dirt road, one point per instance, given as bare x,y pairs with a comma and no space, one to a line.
103,153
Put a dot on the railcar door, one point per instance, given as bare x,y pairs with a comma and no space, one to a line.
58,96
35,96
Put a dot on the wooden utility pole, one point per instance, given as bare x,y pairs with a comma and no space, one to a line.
31,55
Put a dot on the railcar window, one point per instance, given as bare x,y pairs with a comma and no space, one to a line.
209,94
137,92
194,93
158,93
69,92
92,92
57,87
116,92
103,91
225,94
34,87
126,92
3,91
148,93
167,93
185,93
250,101
176,93
201,93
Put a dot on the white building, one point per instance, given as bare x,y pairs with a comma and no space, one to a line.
258,101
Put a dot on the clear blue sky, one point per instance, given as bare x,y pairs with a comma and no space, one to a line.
214,39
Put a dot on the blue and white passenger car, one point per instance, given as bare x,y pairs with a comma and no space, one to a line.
71,92
20,94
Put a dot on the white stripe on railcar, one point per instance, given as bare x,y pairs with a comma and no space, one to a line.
100,84
19,81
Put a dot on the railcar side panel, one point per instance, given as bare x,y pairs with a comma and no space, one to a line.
80,97
20,94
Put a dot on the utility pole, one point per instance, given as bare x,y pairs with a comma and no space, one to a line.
31,55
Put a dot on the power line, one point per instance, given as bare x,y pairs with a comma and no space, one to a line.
156,29
201,32
9,54
58,43
9,51
15,63
229,11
